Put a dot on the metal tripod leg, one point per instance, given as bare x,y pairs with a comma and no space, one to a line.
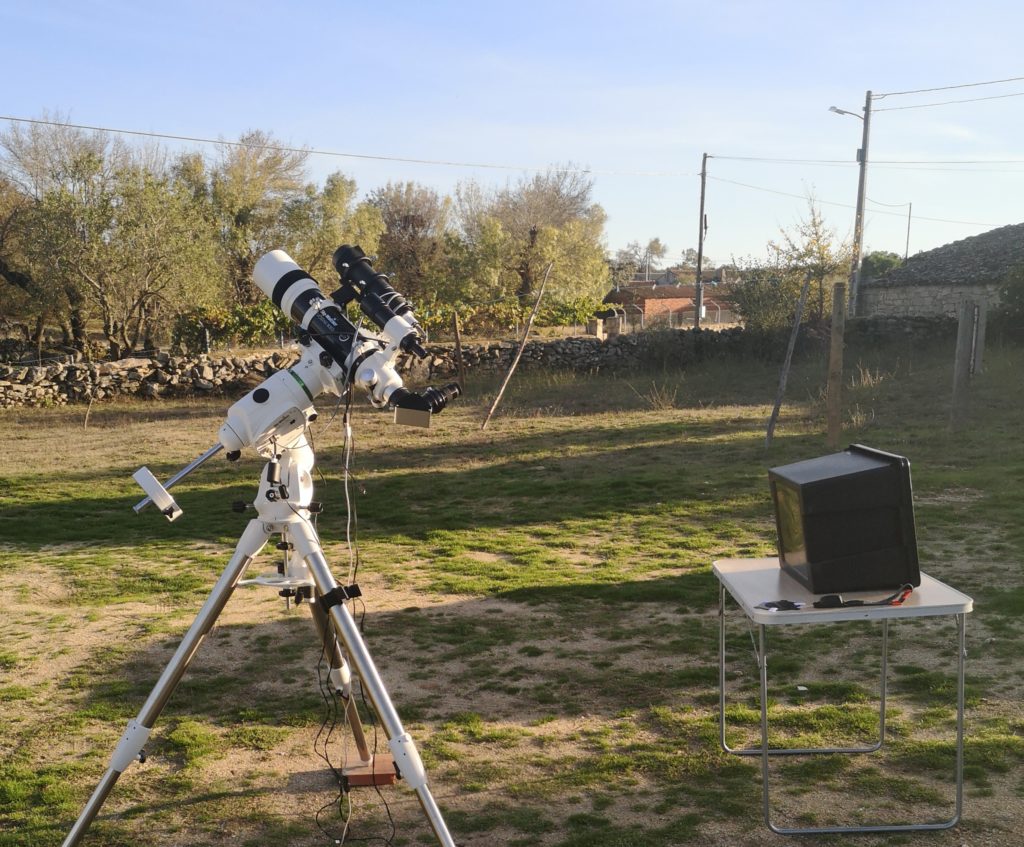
339,665
135,736
407,758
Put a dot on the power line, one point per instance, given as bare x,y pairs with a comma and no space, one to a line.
784,161
951,102
947,161
315,152
945,88
848,206
848,162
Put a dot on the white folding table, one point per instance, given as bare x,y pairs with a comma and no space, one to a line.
753,581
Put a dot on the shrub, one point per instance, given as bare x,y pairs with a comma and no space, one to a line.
248,325
766,297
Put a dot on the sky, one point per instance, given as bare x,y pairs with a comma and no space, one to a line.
634,92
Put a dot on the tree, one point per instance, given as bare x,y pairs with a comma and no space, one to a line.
690,259
18,288
654,251
43,162
878,263
92,230
250,186
414,245
513,234
314,224
622,267
811,247
129,249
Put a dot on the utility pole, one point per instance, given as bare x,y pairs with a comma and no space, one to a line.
699,288
834,395
858,225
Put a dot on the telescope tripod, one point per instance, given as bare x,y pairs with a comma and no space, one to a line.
285,486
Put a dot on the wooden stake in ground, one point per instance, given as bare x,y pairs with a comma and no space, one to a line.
458,351
966,339
784,376
522,346
834,396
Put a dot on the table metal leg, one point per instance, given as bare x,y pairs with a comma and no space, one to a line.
792,751
913,827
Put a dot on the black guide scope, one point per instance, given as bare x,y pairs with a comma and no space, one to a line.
356,270
377,299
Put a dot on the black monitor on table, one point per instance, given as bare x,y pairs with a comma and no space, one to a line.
846,521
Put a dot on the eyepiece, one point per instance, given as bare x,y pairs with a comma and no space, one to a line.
439,398
429,400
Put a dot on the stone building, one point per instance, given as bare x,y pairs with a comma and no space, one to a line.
937,281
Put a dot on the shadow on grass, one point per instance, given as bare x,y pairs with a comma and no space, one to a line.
582,473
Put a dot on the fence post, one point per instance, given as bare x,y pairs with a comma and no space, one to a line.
522,346
980,322
784,375
834,396
963,362
458,351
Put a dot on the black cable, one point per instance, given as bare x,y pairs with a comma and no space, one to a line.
389,840
847,205
328,724
281,148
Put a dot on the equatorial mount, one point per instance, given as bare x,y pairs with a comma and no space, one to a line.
273,419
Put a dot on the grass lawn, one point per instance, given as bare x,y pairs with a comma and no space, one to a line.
540,602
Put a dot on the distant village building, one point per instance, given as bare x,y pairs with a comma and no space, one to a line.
936,282
664,298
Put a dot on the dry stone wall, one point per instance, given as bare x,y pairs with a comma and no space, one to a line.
165,375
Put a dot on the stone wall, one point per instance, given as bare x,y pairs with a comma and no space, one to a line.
878,330
164,375
892,299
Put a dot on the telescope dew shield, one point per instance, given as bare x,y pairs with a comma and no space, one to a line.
298,295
